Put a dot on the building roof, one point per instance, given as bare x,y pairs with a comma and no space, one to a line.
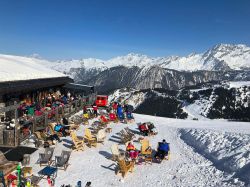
24,86
16,68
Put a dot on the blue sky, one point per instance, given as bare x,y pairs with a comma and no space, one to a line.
64,29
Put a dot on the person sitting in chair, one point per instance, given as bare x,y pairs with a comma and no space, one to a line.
162,150
112,116
50,136
152,128
59,128
104,119
133,153
144,129
129,116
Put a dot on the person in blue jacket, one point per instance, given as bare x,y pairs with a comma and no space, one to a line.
163,149
60,128
120,114
119,110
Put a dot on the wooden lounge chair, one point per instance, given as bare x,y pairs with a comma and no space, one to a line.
61,162
45,158
124,167
125,137
85,118
74,126
42,137
146,151
51,128
115,152
101,135
129,132
78,142
6,166
90,139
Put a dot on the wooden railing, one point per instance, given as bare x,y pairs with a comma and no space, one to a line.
41,122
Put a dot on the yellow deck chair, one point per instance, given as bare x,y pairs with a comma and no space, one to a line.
146,150
124,167
91,140
78,142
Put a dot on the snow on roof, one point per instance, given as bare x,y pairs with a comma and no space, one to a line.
13,68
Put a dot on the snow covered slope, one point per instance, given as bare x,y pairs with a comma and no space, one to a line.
231,100
186,167
22,68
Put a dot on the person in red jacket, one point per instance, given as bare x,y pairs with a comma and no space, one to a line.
95,108
104,119
114,106
133,153
144,129
112,116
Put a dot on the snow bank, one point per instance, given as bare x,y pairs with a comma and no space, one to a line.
229,152
14,68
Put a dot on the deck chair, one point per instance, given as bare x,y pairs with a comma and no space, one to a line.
125,137
90,139
146,151
51,128
85,118
129,132
45,158
115,152
6,166
78,142
101,135
124,167
42,137
73,126
61,162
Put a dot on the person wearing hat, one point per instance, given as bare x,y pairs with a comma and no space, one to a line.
162,150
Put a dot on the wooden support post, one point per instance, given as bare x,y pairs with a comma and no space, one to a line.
75,106
62,111
70,104
35,124
46,119
57,115
17,129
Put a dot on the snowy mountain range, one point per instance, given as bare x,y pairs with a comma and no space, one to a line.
221,62
219,57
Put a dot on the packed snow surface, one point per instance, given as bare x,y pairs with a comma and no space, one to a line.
14,68
223,153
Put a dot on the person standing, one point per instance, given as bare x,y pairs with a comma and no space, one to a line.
95,108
